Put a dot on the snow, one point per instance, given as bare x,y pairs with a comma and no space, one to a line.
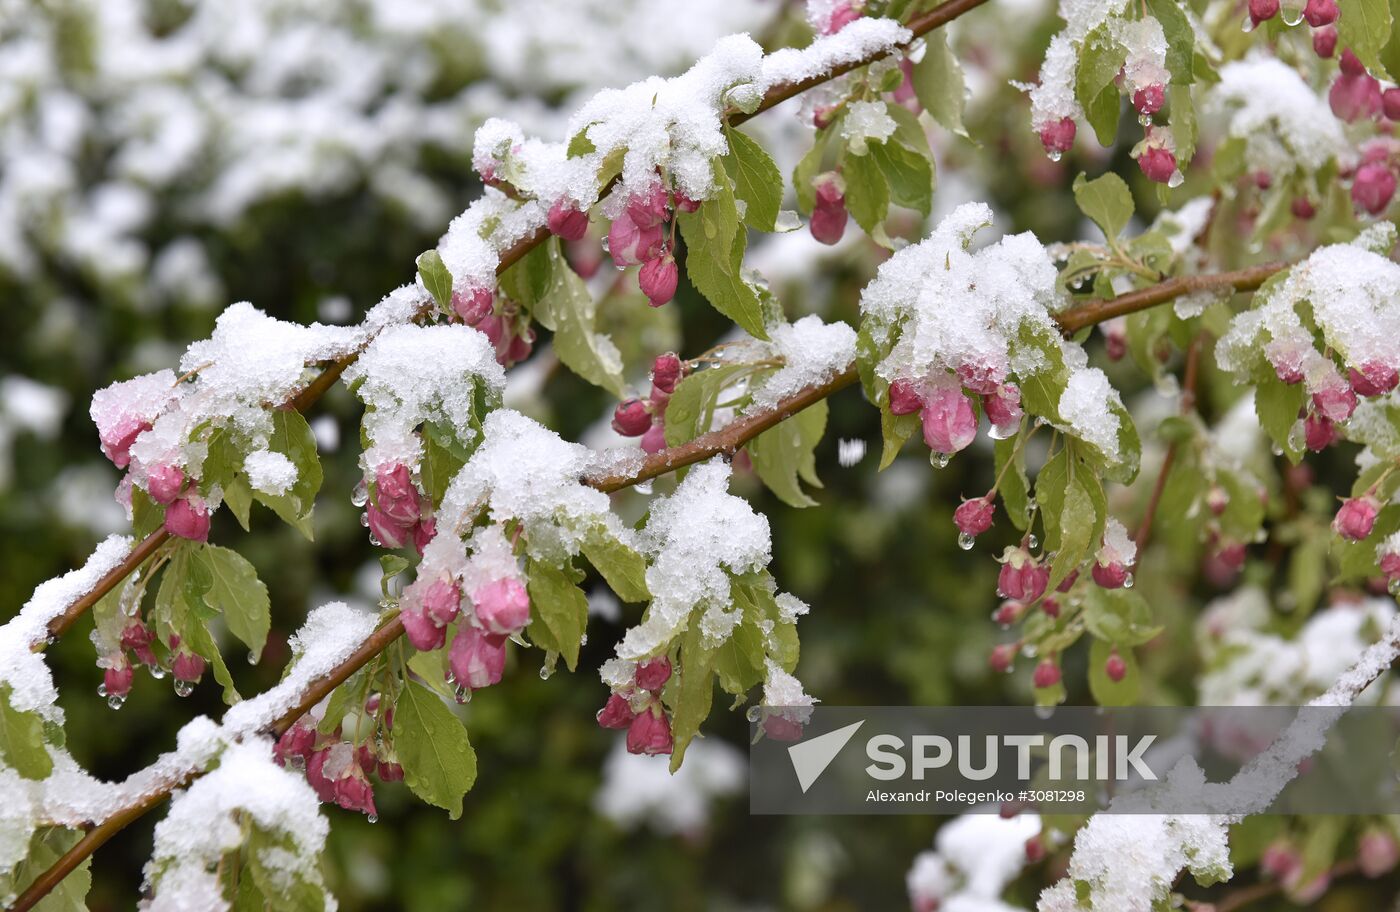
1284,123
696,538
209,819
812,353
976,856
412,375
640,790
269,472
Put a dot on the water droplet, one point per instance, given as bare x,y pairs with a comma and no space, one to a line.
1053,155
115,701
1032,542
372,818
754,713
966,541
1128,581
939,460
252,658
157,672
463,694
360,496
183,688
1176,179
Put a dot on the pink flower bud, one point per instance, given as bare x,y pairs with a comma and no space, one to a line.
904,398
1335,401
1003,408
949,424
297,741
1002,657
1149,99
631,418
650,733
1320,12
1356,517
396,495
1377,852
658,279
1354,97
502,605
473,306
1262,10
116,682
567,220
1158,163
1022,577
441,602
164,483
187,666
422,632
1318,433
353,792
188,517
666,372
424,533
649,209
616,713
629,244
843,15
1058,136
477,658
1324,41
1373,187
653,675
1374,378
975,516
1115,667
1302,208
117,440
654,440
1047,673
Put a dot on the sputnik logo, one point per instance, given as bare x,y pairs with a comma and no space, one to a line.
811,758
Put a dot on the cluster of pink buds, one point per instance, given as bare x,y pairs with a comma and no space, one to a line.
945,410
339,770
396,514
1373,182
1357,517
829,214
646,418
510,332
638,709
1156,158
640,235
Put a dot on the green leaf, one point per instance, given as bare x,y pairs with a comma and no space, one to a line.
236,591
908,174
22,739
438,762
1107,201
690,691
435,277
1365,27
714,259
1181,39
557,603
623,567
1105,690
757,180
783,453
867,192
567,309
939,84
